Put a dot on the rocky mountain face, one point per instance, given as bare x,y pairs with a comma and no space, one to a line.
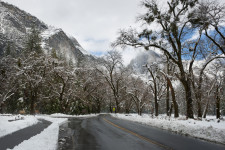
144,57
15,24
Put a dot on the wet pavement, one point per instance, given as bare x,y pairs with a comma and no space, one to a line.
108,133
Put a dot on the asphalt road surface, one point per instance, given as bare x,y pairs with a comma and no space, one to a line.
107,133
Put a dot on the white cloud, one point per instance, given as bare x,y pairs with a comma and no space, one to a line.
94,23
129,53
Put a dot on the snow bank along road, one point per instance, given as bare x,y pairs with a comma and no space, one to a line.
210,128
11,140
108,133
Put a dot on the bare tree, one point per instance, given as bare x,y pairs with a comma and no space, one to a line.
174,102
139,92
157,84
114,74
214,92
170,39
210,16
197,84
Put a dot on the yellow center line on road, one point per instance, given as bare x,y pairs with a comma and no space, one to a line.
137,135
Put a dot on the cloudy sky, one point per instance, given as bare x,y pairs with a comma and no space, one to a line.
94,23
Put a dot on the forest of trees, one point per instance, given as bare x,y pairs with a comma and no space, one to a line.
189,78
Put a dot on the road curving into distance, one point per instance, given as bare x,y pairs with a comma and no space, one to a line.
108,133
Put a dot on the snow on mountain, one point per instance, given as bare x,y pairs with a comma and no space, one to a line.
50,32
145,57
78,46
15,24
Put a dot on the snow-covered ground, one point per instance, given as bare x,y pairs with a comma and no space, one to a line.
209,129
47,139
7,127
68,116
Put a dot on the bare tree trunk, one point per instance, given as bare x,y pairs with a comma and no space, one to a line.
171,109
140,111
156,98
1,107
156,105
127,106
207,104
189,100
167,99
137,103
167,91
199,105
174,104
155,91
117,105
206,109
217,103
32,107
110,106
98,105
33,99
198,96
138,107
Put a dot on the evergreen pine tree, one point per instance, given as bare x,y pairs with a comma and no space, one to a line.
53,53
33,43
8,50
